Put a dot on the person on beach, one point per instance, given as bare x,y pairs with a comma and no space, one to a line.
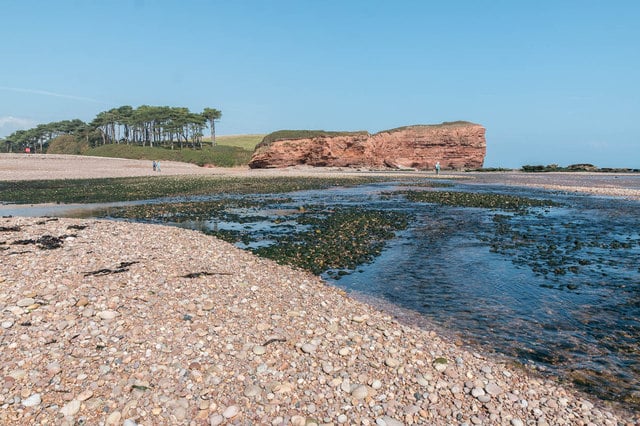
437,167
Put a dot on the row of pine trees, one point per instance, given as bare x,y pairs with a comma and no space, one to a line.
145,126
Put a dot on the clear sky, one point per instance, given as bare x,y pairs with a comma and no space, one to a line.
553,81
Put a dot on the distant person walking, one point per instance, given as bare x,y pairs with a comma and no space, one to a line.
154,165
157,166
437,167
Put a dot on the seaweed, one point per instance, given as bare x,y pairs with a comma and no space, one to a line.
123,267
46,242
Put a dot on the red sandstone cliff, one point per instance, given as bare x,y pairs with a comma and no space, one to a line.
458,145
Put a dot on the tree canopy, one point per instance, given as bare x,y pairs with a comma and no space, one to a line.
145,126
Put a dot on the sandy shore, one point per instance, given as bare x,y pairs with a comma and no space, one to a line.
55,166
121,324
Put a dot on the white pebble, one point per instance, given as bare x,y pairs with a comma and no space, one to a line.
309,348
114,418
360,392
216,420
298,421
32,401
388,421
493,389
107,315
476,392
392,362
71,408
27,301
231,411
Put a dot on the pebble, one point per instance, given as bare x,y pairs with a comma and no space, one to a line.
251,390
32,401
440,364
360,392
71,408
476,392
493,389
107,315
113,418
146,364
388,421
484,398
309,348
392,362
27,301
259,350
18,374
359,318
298,421
180,413
231,411
82,301
422,381
216,419
84,395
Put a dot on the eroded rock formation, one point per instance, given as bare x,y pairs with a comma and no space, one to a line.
457,145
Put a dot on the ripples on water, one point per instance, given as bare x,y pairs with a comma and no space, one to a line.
558,288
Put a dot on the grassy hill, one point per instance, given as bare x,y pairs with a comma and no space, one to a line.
230,151
303,134
247,142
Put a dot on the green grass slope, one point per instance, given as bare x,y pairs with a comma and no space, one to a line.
220,155
247,142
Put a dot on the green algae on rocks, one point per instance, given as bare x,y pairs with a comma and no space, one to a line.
477,199
342,240
143,188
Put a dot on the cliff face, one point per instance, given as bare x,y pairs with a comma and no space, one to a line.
456,145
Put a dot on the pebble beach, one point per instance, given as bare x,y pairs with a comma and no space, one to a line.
114,323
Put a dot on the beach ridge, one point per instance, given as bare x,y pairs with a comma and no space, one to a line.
107,321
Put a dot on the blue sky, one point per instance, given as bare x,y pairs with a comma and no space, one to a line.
552,81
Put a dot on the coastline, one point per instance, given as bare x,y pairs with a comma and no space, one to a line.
180,350
163,325
58,166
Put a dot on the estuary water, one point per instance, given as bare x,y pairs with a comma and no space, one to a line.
555,288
